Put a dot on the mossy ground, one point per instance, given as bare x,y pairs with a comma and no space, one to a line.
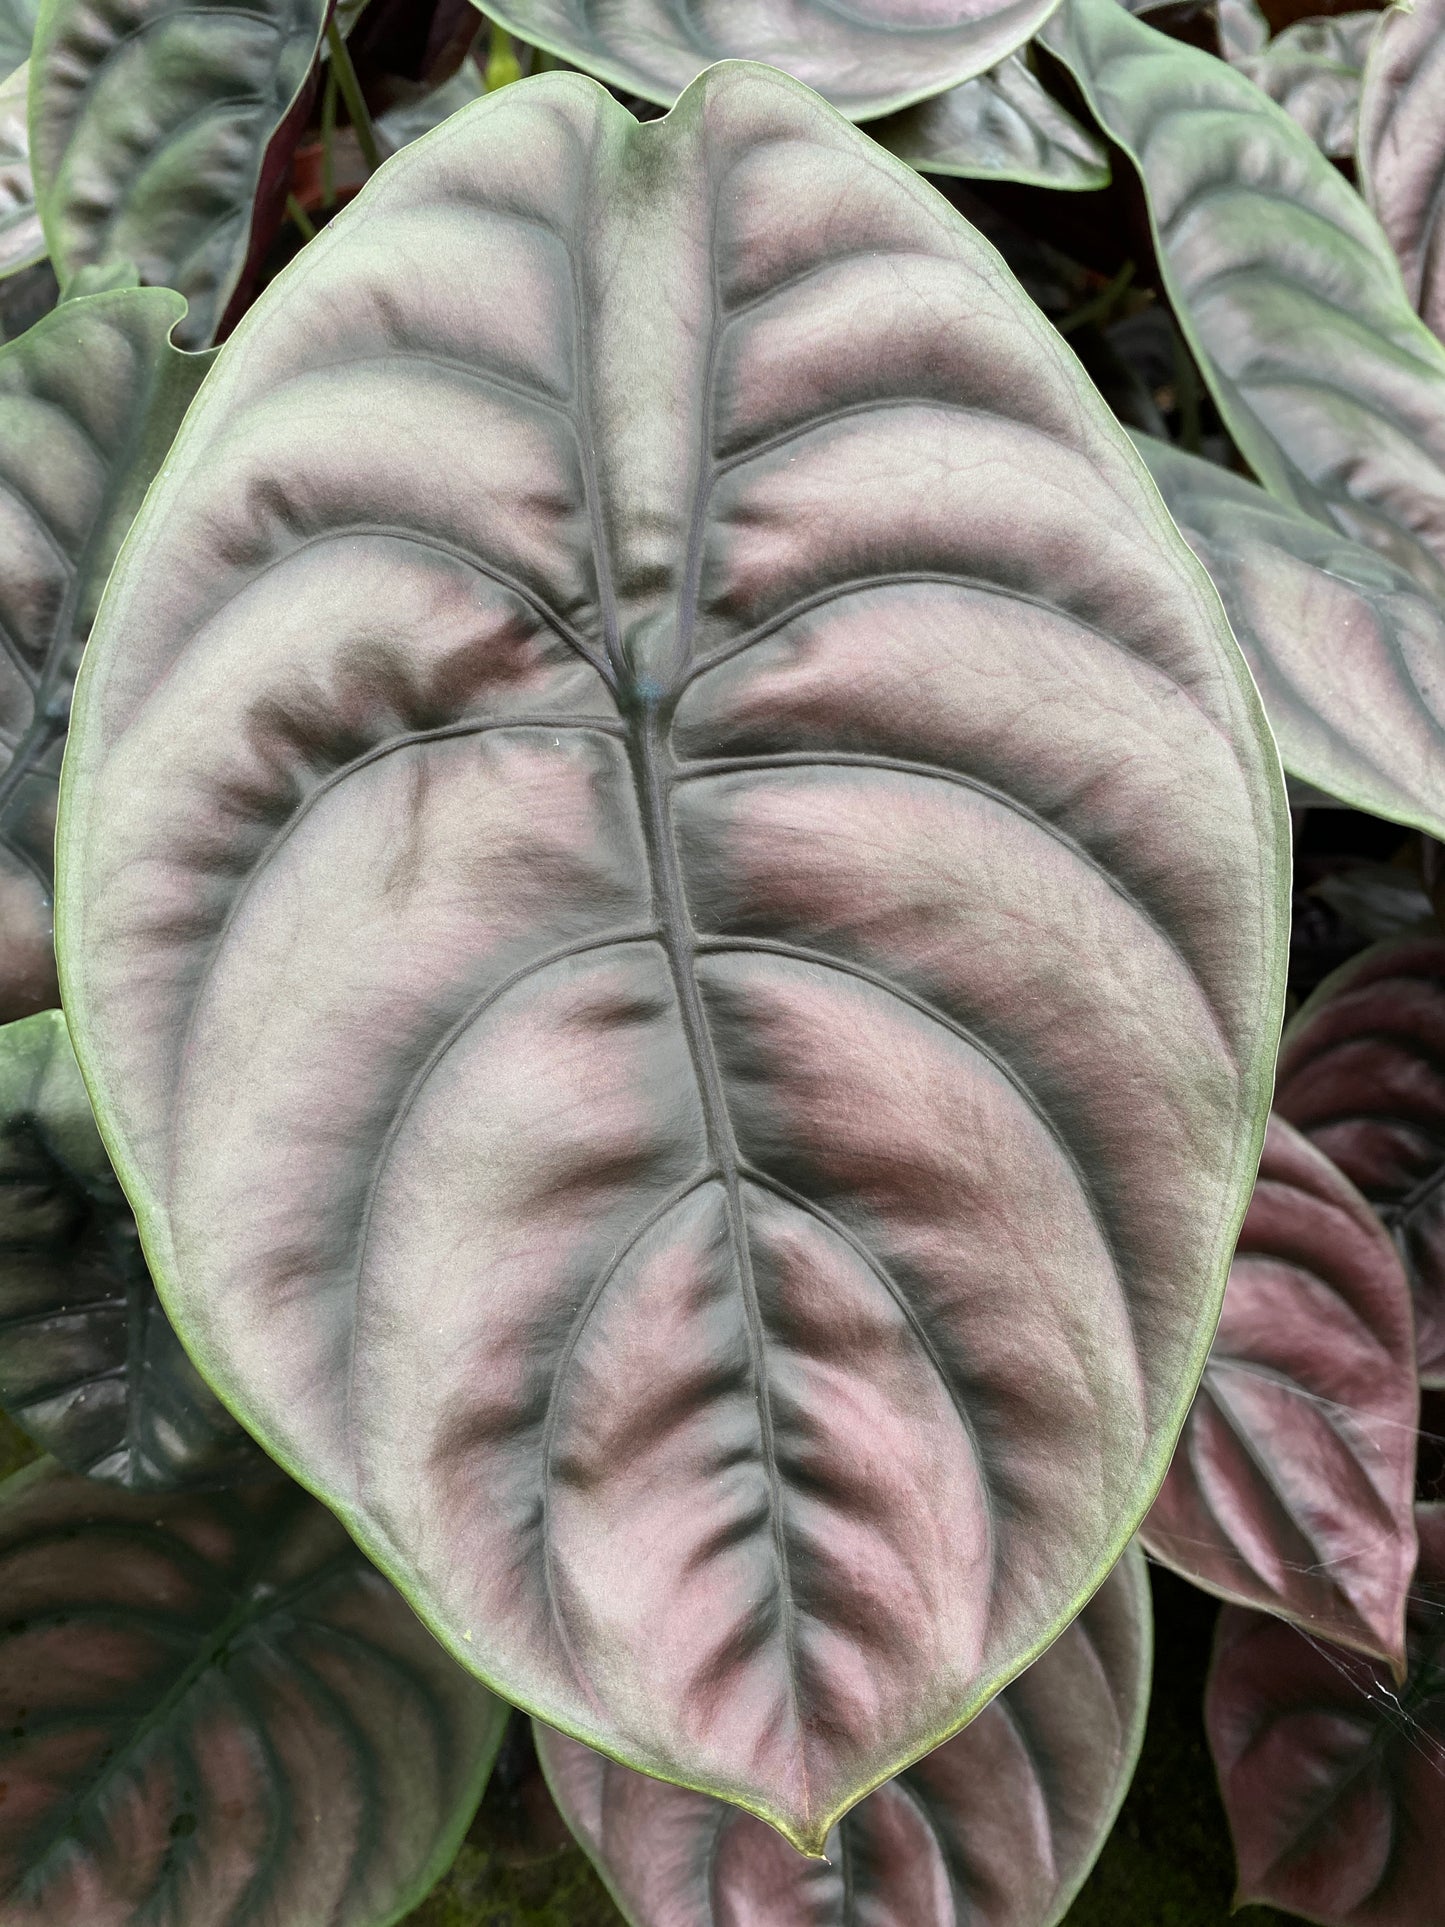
1167,1863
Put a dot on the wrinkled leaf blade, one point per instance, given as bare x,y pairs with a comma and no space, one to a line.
816,1103
179,196
1314,69
21,241
1284,284
214,1709
1402,147
89,399
1330,1771
89,1364
1293,1482
1360,1074
872,57
1002,126
1000,1826
1348,653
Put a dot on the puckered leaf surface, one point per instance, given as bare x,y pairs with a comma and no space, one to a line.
870,57
1330,1770
1402,147
1362,1073
999,1827
89,400
215,1710
89,1364
1294,1480
21,241
1313,69
1284,283
150,122
1347,650
1002,126
684,982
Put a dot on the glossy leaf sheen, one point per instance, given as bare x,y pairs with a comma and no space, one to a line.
1332,386
89,400
150,121
1002,126
17,29
1331,1771
1402,147
1292,1485
999,1827
1313,69
21,241
682,799
1362,1073
215,1710
89,1364
868,57
1348,653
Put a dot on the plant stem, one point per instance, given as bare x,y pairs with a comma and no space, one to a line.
300,219
328,137
1101,305
351,93
503,66
1186,387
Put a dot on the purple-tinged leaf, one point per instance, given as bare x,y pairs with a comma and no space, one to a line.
1292,1484
1000,1826
1313,70
89,1364
674,899
1002,126
870,57
1330,383
1402,147
21,241
89,400
1348,653
1331,1771
1362,1073
214,1710
151,122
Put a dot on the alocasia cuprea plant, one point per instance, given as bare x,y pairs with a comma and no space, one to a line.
672,896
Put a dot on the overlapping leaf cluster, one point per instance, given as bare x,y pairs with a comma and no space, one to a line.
671,891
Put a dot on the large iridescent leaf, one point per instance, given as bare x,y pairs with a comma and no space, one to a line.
1402,147
89,1364
1293,1482
870,57
21,241
89,400
1330,1770
150,125
1002,126
1328,380
999,1827
1313,70
657,797
1348,652
215,1710
1362,1073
